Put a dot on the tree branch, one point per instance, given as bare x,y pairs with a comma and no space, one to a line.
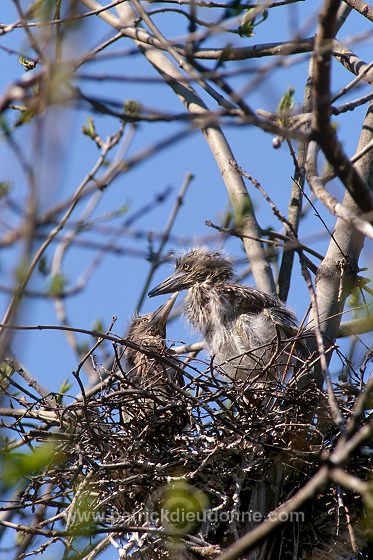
321,124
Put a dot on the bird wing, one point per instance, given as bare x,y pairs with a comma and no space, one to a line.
251,301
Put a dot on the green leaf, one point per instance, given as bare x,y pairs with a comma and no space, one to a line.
6,372
248,23
132,108
123,209
286,103
25,116
40,9
4,189
64,388
27,63
246,28
98,326
17,466
90,129
42,266
57,285
183,506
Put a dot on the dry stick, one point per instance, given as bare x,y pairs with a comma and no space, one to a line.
265,195
362,7
296,198
260,499
300,120
23,24
165,237
140,36
200,36
209,118
33,42
351,105
369,146
63,246
361,405
342,15
98,548
43,415
183,64
341,453
285,48
28,227
356,326
125,342
241,53
19,368
334,206
187,348
360,68
110,176
290,244
209,4
332,401
354,546
89,532
250,540
323,129
27,275
98,335
50,218
350,482
337,272
219,146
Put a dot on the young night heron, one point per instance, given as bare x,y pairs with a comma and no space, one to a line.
150,374
149,332
242,326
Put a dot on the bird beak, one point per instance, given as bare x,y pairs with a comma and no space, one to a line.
160,316
173,283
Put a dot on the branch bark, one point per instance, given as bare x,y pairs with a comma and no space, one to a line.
220,148
335,278
321,124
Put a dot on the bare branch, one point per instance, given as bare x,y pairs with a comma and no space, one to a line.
223,155
323,129
362,7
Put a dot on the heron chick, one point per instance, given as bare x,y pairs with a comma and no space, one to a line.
240,324
149,332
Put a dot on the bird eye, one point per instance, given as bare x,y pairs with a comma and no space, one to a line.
186,266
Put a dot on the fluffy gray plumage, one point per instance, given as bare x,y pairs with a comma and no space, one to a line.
240,324
149,332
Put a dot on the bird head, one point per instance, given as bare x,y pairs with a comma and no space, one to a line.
144,329
196,266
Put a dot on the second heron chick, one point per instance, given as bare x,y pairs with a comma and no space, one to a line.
149,332
151,399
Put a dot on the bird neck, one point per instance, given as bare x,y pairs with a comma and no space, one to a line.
139,360
207,308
